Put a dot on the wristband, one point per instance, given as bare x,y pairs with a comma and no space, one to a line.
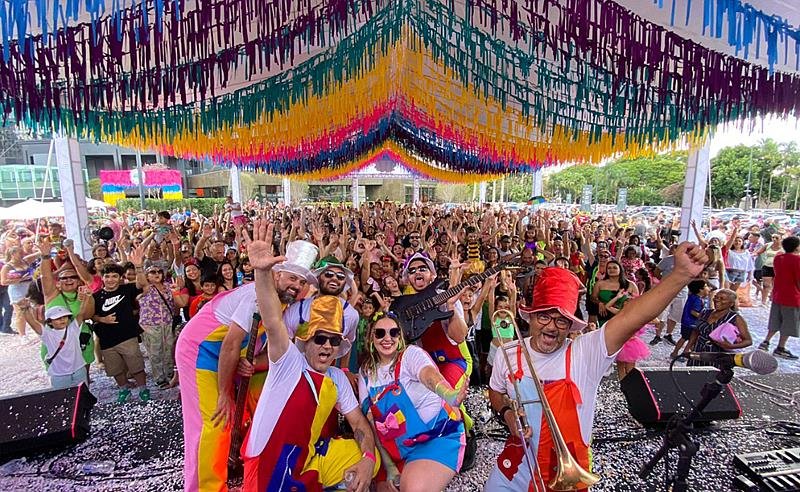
368,456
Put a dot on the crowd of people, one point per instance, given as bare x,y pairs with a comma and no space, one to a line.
312,292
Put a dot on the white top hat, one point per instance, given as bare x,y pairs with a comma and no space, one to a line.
300,257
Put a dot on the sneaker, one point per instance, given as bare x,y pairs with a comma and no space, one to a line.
144,394
764,346
668,339
123,395
782,352
469,453
656,340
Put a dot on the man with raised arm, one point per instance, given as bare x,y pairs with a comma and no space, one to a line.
570,370
289,444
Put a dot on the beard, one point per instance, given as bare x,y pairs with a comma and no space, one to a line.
286,297
323,289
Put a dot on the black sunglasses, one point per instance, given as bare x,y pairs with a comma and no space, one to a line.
69,277
380,333
334,340
413,270
330,274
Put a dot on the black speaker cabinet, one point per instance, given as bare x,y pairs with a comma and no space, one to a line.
44,419
653,398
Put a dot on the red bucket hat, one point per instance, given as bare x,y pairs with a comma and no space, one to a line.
556,288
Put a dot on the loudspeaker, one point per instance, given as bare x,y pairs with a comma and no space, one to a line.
44,419
653,399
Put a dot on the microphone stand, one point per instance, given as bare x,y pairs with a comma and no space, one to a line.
677,435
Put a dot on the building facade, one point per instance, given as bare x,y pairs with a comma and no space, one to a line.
24,173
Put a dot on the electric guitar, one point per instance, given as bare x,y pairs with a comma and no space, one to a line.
415,313
235,463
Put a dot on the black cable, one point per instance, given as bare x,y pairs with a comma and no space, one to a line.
675,381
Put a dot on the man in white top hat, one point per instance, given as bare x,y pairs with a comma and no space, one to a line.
210,348
333,279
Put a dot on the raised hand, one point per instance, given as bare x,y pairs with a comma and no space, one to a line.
259,247
137,256
690,260
45,246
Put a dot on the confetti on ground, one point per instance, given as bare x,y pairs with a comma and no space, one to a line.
144,443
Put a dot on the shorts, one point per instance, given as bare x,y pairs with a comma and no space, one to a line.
675,309
736,276
767,272
758,274
686,331
70,380
784,319
123,358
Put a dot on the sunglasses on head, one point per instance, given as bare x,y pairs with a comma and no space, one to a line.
69,277
421,268
330,274
334,340
380,333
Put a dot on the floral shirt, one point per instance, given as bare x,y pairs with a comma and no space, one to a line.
153,311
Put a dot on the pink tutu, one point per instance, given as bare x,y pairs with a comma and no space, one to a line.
634,350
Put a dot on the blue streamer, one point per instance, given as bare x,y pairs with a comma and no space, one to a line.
744,23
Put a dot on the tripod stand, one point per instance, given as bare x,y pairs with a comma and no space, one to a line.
677,436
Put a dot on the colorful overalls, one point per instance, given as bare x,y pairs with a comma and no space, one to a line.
403,433
511,472
453,361
206,446
300,454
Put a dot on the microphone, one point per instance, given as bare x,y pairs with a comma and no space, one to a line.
758,361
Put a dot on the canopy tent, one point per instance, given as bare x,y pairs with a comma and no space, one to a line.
34,209
30,209
459,88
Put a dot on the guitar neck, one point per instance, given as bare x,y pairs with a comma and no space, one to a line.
441,297
241,393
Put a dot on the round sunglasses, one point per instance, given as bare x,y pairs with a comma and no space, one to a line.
380,333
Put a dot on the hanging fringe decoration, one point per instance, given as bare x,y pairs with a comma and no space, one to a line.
320,87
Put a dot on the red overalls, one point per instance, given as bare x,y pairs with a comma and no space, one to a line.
511,471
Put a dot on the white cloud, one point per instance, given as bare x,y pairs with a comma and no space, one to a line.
750,132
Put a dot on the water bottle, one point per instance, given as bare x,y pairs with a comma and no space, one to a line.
98,467
12,467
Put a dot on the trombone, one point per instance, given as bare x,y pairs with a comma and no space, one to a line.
518,404
569,474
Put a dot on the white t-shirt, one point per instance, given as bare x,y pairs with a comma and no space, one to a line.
588,365
238,306
70,358
282,379
291,318
414,360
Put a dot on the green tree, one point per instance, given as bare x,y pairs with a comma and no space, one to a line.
645,178
95,188
769,166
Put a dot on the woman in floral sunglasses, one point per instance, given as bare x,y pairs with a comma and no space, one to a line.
413,411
